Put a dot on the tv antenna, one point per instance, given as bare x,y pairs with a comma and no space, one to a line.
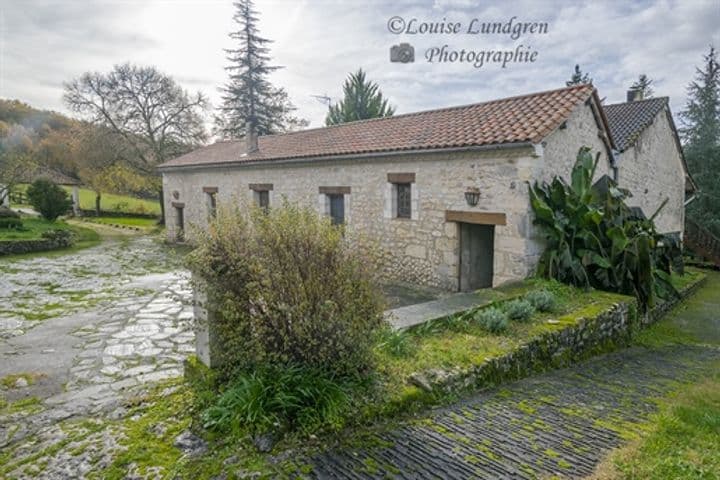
323,99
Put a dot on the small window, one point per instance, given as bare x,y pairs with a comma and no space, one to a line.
337,208
263,199
212,204
179,221
404,205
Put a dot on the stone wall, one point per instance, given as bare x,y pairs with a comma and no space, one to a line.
549,350
422,249
48,242
652,170
609,329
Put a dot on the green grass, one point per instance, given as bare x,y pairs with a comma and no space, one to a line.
34,227
682,442
112,202
462,342
682,439
119,203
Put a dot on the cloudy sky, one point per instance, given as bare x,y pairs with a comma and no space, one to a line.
44,43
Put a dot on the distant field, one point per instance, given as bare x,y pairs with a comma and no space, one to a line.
117,203
112,202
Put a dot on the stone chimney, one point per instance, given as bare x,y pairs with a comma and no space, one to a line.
633,95
251,139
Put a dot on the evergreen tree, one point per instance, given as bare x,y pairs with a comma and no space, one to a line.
249,96
362,100
578,77
643,85
701,135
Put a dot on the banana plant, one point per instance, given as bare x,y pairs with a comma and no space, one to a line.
594,239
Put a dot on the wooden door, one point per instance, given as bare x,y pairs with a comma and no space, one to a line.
477,246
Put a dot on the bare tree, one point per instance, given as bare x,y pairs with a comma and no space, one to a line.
97,150
152,113
17,150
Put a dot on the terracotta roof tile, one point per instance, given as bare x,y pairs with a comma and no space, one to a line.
526,118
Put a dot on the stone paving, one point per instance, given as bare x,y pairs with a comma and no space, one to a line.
42,287
94,355
550,426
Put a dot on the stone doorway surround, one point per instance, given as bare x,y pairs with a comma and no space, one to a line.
461,217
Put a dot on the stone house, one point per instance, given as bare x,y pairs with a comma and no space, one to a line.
650,159
443,191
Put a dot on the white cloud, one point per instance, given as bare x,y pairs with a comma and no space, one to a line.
320,41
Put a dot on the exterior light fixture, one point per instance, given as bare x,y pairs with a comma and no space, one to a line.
472,196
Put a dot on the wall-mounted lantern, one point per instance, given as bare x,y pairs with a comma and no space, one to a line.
472,196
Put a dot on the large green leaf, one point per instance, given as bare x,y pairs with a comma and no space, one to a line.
593,239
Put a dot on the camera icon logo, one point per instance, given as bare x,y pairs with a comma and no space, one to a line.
403,53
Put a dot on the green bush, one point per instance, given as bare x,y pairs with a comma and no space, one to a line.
398,343
48,199
520,310
287,287
492,319
59,235
542,300
594,239
279,398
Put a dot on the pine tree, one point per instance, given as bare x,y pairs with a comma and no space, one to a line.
249,96
578,77
643,85
362,100
701,135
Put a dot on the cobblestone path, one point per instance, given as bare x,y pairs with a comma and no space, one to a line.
551,425
129,329
559,424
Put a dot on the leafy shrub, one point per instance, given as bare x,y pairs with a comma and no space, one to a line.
594,239
519,309
493,319
279,398
542,300
48,199
59,236
287,287
398,343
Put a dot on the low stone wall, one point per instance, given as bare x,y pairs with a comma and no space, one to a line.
610,329
662,308
83,212
14,247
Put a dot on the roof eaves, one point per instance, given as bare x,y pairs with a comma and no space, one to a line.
350,156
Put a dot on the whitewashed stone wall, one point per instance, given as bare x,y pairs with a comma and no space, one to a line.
652,170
